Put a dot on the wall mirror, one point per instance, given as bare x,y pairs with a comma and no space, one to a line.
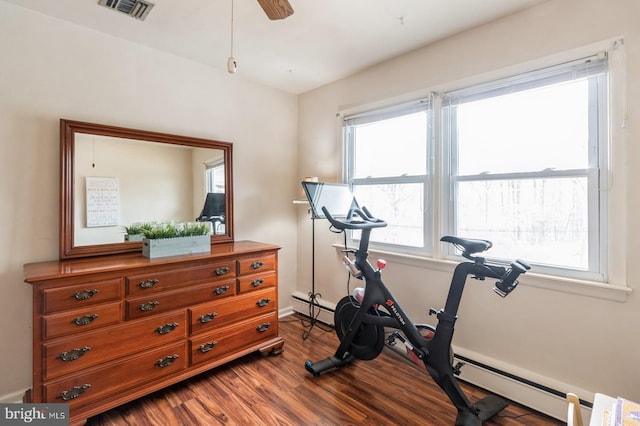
113,177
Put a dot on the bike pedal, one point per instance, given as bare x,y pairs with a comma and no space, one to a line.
456,368
391,340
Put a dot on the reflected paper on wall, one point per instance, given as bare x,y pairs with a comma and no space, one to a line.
103,201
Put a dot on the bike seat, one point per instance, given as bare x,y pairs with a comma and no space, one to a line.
468,245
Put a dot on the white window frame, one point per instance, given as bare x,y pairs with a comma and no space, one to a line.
594,67
396,110
212,170
613,284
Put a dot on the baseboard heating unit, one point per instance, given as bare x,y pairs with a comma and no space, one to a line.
321,310
545,398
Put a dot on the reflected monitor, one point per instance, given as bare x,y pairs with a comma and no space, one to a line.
336,197
213,206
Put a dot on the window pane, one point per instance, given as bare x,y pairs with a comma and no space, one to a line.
391,147
215,179
401,206
541,220
533,130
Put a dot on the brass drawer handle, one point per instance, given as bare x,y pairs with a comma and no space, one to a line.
73,354
167,361
263,302
145,307
207,317
263,327
222,271
148,283
208,346
85,319
74,392
222,289
257,265
257,283
167,328
84,294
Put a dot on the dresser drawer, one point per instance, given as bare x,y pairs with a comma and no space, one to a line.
78,296
213,315
112,378
232,338
252,265
150,282
257,281
68,355
81,320
140,307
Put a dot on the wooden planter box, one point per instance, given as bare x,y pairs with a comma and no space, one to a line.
176,246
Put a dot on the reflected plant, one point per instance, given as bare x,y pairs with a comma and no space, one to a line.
138,228
195,228
173,230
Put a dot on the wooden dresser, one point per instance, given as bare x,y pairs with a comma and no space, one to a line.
110,329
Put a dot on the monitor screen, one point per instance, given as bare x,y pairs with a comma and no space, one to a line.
336,197
214,204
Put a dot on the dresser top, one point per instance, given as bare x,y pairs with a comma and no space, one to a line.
39,271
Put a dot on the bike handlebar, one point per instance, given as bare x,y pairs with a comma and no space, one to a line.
507,278
510,280
356,219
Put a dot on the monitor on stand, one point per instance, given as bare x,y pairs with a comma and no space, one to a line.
337,198
339,202
214,211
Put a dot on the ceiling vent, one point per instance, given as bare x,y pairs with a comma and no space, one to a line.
138,9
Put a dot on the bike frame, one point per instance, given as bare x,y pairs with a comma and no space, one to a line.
433,352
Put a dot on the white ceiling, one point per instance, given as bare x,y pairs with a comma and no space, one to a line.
323,41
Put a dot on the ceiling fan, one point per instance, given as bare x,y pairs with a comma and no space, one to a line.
276,9
139,9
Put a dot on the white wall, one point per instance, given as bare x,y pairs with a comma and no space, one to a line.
143,170
51,70
558,338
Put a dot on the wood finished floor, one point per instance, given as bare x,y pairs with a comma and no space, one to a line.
277,390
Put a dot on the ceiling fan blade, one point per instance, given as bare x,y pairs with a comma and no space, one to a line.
276,9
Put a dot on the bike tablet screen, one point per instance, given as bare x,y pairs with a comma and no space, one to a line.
337,198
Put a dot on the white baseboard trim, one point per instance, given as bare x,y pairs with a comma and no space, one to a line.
323,309
285,312
12,398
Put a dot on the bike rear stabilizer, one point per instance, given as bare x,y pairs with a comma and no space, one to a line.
316,368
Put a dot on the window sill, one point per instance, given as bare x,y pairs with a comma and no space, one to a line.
598,290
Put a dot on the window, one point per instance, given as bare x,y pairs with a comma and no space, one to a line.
387,168
214,176
523,159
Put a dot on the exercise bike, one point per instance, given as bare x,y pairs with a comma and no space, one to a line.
361,319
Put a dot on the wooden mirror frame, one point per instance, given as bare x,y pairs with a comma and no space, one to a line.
68,129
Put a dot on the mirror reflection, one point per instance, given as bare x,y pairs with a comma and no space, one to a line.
112,178
120,182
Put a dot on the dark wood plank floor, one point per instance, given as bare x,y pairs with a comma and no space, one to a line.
277,390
